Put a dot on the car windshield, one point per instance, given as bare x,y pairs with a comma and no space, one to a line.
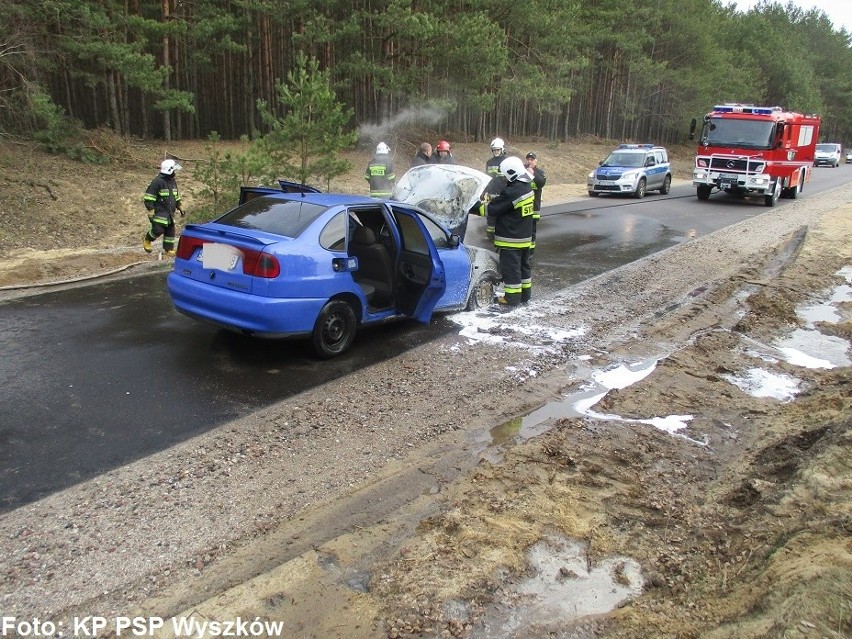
273,215
826,148
740,134
622,158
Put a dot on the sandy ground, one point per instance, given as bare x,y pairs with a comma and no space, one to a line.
661,451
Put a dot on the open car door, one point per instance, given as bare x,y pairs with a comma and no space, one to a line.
421,279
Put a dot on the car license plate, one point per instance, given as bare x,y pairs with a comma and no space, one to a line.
729,177
606,182
219,256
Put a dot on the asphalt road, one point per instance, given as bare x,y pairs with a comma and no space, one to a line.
97,376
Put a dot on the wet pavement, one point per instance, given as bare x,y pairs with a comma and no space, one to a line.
101,375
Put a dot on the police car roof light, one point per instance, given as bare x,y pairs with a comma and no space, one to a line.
635,146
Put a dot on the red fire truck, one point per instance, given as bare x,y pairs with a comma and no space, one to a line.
748,151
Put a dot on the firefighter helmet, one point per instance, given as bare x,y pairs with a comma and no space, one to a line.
498,146
513,169
443,145
168,167
382,149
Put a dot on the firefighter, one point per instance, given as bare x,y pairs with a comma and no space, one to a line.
498,182
539,179
162,198
442,154
512,211
492,166
380,173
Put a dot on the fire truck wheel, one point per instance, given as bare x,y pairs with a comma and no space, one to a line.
772,200
667,185
639,193
703,192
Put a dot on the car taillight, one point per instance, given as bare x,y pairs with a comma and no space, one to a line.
187,245
260,264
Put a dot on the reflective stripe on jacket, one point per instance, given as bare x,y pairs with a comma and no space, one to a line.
512,212
162,196
381,176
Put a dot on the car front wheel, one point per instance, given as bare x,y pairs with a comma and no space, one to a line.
482,292
334,330
639,193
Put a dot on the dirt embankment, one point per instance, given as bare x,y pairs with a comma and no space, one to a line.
686,474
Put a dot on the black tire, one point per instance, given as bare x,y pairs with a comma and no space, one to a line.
703,192
593,194
482,292
793,192
335,329
639,193
772,199
667,185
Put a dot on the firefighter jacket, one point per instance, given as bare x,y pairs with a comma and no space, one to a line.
162,197
512,212
380,175
498,181
538,181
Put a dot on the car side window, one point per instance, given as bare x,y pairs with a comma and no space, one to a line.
333,236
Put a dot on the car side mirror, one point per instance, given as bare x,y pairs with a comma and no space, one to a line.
650,162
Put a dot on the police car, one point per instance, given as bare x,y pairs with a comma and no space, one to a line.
632,169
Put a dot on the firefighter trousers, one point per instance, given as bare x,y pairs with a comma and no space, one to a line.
165,226
516,271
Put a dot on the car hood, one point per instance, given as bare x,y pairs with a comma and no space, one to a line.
446,191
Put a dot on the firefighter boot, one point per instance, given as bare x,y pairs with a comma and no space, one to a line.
146,243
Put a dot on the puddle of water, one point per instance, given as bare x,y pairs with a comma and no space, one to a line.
812,349
826,311
563,588
761,383
579,404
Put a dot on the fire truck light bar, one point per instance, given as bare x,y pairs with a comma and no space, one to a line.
745,108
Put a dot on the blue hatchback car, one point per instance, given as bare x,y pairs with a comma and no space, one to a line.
321,265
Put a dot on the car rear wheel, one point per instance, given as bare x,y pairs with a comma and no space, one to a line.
335,329
482,292
639,193
667,185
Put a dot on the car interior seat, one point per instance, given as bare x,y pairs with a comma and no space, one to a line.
375,266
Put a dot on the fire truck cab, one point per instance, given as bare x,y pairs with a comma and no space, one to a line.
749,151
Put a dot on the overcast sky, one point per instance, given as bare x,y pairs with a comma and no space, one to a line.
838,11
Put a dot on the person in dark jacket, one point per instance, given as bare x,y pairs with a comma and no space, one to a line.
512,211
424,155
380,173
539,179
162,199
442,154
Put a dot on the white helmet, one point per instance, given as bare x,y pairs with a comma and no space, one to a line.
513,169
168,167
497,145
382,149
